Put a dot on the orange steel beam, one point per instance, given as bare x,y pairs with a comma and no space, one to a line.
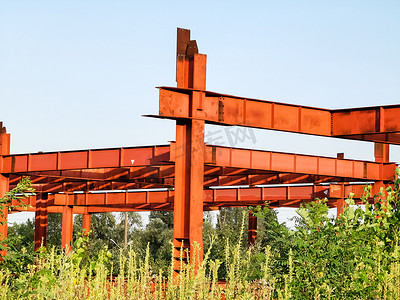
87,186
211,197
189,153
232,110
86,159
67,227
263,179
256,177
86,223
252,232
296,163
4,185
41,221
120,175
278,196
98,209
215,156
109,174
376,124
114,174
381,152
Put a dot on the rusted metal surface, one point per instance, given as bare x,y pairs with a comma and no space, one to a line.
86,159
41,220
376,124
86,223
67,227
276,196
4,181
223,166
252,233
189,153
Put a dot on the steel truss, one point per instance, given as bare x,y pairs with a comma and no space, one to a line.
188,176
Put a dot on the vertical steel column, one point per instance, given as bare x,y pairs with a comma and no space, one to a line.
126,230
340,203
381,153
41,221
189,154
252,229
4,216
339,206
67,222
86,224
4,187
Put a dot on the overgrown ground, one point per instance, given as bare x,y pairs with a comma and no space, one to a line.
355,256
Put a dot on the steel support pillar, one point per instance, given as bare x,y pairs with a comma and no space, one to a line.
339,206
4,215
4,150
41,221
188,202
381,153
252,229
67,223
189,155
86,224
340,203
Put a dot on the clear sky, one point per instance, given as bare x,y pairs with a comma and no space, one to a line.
79,74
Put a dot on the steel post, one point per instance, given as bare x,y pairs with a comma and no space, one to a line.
339,206
188,201
4,214
381,152
41,221
67,222
189,155
86,224
4,186
252,229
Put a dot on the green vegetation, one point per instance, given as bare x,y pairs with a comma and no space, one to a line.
13,199
355,256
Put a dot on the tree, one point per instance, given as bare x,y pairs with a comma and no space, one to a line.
21,236
19,248
158,236
349,257
272,235
167,217
23,190
54,229
105,231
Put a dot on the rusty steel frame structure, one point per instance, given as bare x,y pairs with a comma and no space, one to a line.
187,176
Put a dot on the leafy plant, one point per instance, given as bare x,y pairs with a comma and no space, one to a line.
17,195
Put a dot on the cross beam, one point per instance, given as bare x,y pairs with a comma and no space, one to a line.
153,165
377,124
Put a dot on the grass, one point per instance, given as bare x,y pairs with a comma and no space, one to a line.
69,276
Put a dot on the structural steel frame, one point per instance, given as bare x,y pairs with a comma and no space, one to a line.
188,176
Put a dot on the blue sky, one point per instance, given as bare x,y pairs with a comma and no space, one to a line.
79,74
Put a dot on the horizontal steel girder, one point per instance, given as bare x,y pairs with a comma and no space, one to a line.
276,196
217,156
376,124
86,159
239,177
